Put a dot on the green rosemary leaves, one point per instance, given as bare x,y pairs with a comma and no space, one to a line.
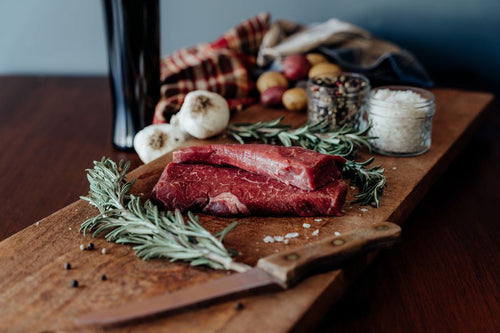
345,142
154,233
370,181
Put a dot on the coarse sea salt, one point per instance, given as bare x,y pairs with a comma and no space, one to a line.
401,119
292,235
306,225
268,239
336,233
315,232
278,238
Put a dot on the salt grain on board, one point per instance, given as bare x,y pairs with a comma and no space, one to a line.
318,220
363,209
292,235
278,238
268,239
306,225
315,232
336,233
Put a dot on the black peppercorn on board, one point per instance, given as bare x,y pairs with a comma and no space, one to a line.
38,291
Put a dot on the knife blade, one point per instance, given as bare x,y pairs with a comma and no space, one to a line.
275,272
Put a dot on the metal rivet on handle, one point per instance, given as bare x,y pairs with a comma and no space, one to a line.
381,227
338,241
292,256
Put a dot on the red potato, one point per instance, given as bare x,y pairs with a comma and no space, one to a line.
272,96
296,67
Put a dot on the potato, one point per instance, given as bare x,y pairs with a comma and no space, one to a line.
296,67
295,99
271,79
316,58
272,96
325,69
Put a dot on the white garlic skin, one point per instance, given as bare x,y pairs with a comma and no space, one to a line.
203,114
156,140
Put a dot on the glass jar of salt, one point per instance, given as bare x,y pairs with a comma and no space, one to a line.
401,119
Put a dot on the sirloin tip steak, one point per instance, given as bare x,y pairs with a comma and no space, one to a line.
296,166
226,191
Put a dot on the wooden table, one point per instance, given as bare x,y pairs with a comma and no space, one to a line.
442,277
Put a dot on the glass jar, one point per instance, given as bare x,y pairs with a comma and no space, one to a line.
401,120
340,100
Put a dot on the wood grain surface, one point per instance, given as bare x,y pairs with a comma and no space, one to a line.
35,287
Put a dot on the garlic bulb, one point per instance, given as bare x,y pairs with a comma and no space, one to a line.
155,140
203,114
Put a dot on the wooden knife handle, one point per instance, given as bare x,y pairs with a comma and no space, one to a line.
292,266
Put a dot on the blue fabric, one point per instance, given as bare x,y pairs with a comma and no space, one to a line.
399,67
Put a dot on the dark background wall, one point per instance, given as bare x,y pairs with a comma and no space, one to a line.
459,37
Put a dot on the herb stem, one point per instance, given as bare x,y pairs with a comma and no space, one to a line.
154,234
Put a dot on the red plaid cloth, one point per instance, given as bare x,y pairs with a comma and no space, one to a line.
224,66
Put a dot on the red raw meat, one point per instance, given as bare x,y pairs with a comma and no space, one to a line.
303,168
226,191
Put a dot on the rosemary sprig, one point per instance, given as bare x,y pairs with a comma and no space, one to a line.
371,182
345,142
153,233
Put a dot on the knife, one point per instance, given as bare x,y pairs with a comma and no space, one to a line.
274,272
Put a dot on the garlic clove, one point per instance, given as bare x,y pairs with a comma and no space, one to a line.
203,114
156,140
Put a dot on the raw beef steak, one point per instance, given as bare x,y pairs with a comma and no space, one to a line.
297,166
228,191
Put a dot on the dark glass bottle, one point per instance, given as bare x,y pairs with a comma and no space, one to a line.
133,38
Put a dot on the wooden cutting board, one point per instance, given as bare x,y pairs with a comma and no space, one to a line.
35,292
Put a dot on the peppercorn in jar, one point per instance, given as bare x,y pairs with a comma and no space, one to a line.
338,100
